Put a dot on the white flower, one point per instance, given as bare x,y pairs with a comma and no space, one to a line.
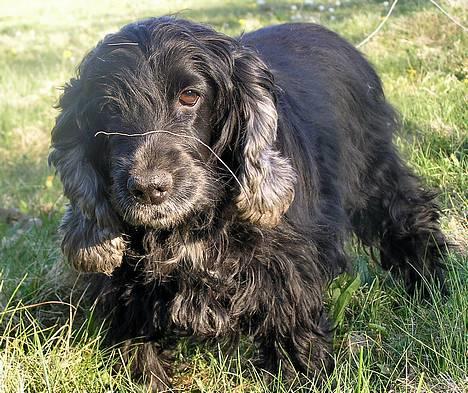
309,3
386,3
321,7
331,9
261,2
294,7
338,3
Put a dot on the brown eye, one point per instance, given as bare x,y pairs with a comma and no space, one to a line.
188,98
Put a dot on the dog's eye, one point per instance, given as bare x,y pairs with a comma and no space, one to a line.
188,98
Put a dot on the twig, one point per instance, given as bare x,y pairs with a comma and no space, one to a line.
379,27
448,15
182,136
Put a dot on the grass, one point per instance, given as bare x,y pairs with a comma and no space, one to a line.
384,342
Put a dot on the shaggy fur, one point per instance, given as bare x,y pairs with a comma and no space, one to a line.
229,217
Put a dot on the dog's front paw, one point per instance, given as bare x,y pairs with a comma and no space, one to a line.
149,364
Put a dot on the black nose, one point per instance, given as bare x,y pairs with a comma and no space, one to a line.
152,189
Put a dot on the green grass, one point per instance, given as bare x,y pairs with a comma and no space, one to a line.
384,342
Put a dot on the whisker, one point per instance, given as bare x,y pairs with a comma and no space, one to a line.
182,136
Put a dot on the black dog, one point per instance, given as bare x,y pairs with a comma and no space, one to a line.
215,181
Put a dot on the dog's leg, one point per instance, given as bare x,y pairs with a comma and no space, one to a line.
411,240
148,359
290,326
148,363
292,333
402,221
304,350
135,314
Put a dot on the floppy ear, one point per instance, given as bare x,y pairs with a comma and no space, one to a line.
91,231
266,176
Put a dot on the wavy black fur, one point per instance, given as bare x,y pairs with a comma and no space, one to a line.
300,117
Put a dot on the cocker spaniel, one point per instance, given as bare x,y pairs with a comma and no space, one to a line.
213,182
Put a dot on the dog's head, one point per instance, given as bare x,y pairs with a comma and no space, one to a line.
166,120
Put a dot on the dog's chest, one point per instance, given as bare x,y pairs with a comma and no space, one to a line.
203,302
214,287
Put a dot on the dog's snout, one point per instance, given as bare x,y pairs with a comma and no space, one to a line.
152,189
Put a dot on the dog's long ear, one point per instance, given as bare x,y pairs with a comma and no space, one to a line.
266,176
91,233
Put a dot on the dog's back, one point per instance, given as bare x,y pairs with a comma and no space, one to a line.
330,103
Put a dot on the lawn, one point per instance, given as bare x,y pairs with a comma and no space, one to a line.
385,342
